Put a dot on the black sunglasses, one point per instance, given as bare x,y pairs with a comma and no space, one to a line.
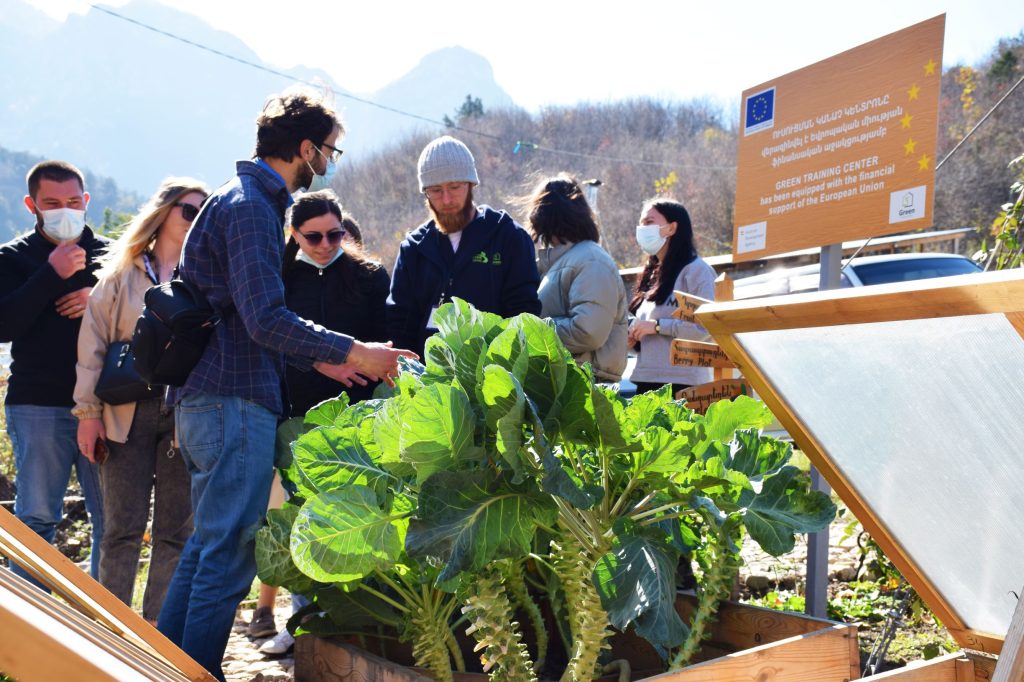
188,211
334,237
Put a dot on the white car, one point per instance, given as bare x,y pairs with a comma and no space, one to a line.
863,271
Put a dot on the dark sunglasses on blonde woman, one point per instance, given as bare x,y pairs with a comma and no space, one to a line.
314,238
188,211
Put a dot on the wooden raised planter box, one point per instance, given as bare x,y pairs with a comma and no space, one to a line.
747,643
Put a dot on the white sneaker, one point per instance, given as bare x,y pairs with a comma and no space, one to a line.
279,644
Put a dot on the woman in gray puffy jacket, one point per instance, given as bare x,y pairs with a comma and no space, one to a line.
580,289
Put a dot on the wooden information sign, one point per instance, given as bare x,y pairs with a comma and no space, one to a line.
688,304
687,353
700,398
842,149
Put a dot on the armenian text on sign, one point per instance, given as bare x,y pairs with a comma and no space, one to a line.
842,149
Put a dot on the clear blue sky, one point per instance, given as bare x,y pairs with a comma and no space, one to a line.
546,52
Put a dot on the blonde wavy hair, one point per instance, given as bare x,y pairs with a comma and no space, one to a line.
141,231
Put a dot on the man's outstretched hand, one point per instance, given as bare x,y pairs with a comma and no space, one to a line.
378,360
346,373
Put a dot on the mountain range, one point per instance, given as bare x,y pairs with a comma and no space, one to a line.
134,105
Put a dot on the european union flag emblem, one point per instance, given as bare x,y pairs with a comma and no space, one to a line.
759,112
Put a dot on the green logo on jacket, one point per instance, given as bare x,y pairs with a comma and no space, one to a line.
481,257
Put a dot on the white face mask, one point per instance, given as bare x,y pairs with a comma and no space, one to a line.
63,224
324,181
306,258
649,238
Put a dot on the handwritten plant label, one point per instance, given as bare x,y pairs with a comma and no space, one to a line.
687,353
700,398
688,304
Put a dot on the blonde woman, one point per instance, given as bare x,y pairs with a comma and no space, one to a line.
141,459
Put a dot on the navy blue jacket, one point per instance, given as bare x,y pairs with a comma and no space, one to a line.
495,269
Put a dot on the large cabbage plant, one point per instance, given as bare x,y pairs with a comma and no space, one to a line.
500,450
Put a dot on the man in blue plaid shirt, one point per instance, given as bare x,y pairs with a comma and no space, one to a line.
227,411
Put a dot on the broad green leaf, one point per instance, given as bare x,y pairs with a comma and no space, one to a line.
608,414
343,535
726,416
784,506
756,455
663,452
327,412
437,427
359,611
469,364
439,357
505,404
331,457
576,414
637,584
291,477
508,350
547,366
458,322
274,564
387,435
467,519
645,409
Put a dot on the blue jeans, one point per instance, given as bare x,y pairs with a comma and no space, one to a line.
45,450
228,445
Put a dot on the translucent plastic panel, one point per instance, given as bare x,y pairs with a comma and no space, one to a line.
924,419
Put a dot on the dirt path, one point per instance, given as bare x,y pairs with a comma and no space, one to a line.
243,661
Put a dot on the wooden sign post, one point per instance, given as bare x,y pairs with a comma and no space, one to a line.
688,304
842,149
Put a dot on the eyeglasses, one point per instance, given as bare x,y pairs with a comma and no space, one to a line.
188,211
437,191
335,152
334,237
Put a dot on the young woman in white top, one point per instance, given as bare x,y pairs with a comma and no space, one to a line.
665,234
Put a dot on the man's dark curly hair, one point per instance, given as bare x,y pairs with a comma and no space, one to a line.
288,119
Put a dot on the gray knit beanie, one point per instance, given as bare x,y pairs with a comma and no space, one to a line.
446,160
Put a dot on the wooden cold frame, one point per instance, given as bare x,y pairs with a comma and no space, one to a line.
734,325
97,637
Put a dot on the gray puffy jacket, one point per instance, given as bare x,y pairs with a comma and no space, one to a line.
582,293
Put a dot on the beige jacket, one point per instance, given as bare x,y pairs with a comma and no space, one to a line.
114,305
582,293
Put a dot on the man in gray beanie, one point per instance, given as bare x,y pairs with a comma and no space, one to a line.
466,251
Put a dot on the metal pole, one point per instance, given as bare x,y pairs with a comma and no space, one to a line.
816,598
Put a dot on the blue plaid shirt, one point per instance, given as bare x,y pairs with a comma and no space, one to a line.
233,254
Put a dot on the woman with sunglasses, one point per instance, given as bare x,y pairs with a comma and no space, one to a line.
328,280
141,460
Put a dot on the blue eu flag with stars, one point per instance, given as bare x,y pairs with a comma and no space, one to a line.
760,111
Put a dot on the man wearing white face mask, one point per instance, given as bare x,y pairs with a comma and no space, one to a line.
45,280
